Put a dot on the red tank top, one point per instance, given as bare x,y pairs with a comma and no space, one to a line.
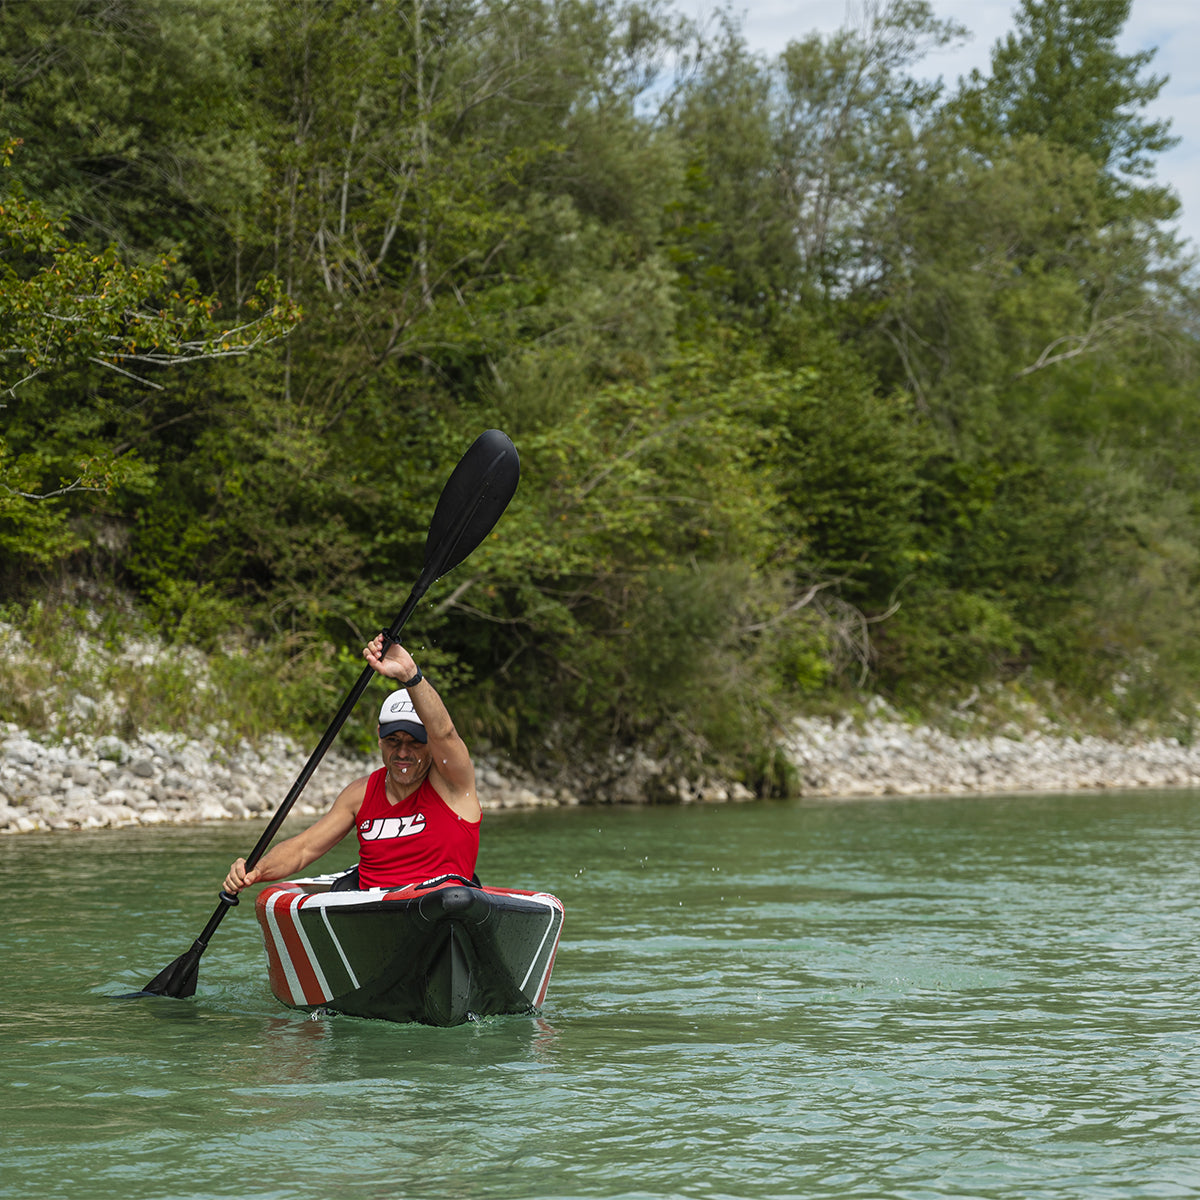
418,839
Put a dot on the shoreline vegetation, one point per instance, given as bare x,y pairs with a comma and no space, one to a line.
829,383
79,746
85,782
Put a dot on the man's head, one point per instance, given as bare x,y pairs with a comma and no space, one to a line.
398,716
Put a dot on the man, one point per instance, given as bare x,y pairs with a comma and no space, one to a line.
416,818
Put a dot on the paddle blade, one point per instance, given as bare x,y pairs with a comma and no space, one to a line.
179,979
475,496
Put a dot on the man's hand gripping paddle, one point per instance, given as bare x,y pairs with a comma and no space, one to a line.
475,496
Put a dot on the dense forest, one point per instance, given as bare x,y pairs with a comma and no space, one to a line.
827,381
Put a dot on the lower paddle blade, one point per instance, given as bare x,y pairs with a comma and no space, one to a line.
179,979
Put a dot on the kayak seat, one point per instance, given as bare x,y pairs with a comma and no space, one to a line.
347,881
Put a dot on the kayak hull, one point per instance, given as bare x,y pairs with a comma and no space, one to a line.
437,953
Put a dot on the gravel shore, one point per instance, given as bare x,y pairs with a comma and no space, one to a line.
886,757
85,783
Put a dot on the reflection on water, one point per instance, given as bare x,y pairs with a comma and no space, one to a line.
952,997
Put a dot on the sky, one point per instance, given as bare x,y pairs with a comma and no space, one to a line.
1169,27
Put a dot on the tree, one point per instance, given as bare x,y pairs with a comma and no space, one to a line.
138,122
1022,232
1059,77
850,121
733,230
64,306
62,303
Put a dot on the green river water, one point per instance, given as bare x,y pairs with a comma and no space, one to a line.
952,997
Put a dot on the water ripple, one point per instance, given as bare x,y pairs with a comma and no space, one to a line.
919,999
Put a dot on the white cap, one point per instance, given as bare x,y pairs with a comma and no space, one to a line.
399,716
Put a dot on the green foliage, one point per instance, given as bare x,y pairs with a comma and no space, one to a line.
1059,77
63,304
824,379
54,651
956,637
67,308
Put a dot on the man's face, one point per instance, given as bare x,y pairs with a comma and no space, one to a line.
407,760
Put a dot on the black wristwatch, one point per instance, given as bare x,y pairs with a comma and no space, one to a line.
411,683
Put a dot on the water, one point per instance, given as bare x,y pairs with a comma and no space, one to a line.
907,998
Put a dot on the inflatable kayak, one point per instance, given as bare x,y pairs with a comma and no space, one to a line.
440,952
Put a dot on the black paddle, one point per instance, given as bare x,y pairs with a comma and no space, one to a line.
474,497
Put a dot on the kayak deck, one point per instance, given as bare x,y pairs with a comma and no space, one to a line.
439,953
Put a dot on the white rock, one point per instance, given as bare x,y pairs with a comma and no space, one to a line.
21,752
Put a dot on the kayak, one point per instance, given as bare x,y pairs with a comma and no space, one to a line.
439,953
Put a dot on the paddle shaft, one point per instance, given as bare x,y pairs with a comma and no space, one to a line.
314,760
471,503
451,540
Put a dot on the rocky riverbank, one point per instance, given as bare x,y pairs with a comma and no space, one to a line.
84,783
886,757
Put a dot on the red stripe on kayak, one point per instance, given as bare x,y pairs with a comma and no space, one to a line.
289,922
289,959
545,984
275,969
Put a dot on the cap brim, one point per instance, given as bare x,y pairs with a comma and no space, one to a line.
414,728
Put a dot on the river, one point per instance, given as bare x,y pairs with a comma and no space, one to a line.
948,997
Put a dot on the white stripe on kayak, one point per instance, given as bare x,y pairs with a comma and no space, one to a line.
293,907
338,945
281,949
334,899
553,909
313,961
